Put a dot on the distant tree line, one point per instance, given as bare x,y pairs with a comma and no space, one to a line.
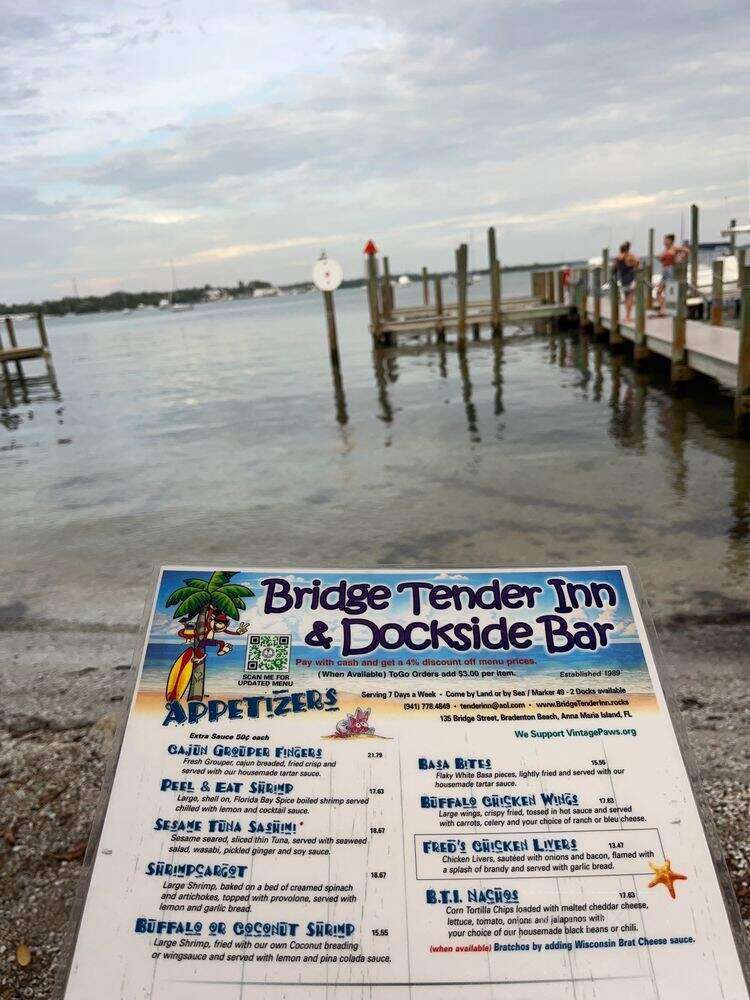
117,301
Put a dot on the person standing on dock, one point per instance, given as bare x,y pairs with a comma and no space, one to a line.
667,261
624,267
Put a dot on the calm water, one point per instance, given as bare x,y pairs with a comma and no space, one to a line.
220,436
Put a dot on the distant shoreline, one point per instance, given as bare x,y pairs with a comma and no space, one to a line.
121,301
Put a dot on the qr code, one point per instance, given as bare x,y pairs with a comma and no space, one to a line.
267,654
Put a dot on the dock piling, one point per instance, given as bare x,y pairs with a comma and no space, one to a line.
597,294
650,270
717,293
425,287
559,287
732,238
372,297
439,327
497,315
494,280
640,350
387,291
605,265
9,325
693,247
333,342
742,394
461,264
680,369
615,337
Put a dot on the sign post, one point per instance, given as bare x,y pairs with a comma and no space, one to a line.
327,276
401,784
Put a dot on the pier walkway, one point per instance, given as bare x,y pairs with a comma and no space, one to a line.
711,350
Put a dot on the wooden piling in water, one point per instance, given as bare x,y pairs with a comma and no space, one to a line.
372,298
693,246
10,327
497,315
717,292
650,270
742,393
387,290
680,369
333,342
615,337
461,264
560,287
605,265
640,350
550,292
6,376
494,280
439,328
425,287
597,293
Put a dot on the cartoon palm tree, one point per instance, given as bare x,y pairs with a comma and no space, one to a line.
194,600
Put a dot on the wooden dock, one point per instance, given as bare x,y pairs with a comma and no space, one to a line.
12,358
587,299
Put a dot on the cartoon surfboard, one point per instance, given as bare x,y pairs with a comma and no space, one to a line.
179,675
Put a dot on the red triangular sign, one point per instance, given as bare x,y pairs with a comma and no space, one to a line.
370,248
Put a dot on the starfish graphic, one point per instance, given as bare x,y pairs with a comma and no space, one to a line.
663,875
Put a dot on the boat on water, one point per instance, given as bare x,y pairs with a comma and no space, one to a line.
164,304
179,307
404,280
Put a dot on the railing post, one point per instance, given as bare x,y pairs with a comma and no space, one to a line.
560,289
615,337
640,350
605,266
439,327
717,293
650,270
732,238
680,369
742,394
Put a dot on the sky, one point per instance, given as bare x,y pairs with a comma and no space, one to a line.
241,139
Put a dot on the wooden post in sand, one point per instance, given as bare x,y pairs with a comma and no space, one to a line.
425,287
742,394
717,293
640,350
680,369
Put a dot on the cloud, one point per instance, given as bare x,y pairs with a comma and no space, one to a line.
450,576
235,140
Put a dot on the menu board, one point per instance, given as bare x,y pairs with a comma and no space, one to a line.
338,784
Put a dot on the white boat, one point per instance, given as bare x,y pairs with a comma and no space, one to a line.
404,280
181,307
164,304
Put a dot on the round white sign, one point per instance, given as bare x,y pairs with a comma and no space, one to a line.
327,274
